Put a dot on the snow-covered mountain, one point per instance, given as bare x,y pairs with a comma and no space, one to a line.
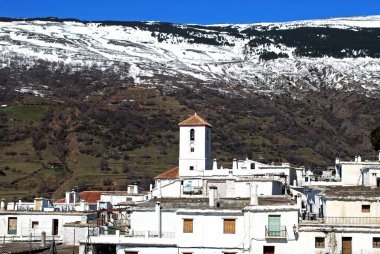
339,53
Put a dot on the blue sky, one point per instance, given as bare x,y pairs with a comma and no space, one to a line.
190,11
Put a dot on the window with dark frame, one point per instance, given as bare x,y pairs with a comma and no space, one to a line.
192,135
319,242
366,208
376,242
191,167
34,224
187,225
229,226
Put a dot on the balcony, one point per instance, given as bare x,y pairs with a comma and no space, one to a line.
352,220
275,232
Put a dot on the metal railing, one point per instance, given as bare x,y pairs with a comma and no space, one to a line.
353,220
151,234
275,232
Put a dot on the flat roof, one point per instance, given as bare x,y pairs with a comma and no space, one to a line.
203,203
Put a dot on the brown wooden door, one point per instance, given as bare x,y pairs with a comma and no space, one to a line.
268,250
346,245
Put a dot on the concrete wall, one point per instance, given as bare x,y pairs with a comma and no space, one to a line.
361,242
74,234
45,223
347,208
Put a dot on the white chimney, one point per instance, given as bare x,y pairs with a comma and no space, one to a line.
2,205
254,197
356,158
299,201
135,189
212,196
214,165
150,187
159,195
158,217
374,181
295,182
19,204
359,158
234,164
337,160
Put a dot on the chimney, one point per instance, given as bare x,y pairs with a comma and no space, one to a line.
135,189
254,197
159,194
374,181
299,201
214,165
212,196
379,155
295,182
337,160
359,158
19,204
2,205
150,187
356,158
234,164
158,217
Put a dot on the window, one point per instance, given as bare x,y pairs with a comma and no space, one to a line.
191,167
376,242
229,226
192,135
35,224
192,147
187,225
12,225
252,165
274,225
319,242
366,208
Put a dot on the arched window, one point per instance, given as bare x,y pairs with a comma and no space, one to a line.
192,134
192,147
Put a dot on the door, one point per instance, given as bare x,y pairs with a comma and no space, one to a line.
274,225
346,245
55,227
268,250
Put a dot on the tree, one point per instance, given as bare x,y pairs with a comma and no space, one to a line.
375,138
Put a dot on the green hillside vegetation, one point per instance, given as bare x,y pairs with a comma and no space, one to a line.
95,131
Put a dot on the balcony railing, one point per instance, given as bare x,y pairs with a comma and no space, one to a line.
275,231
353,220
151,234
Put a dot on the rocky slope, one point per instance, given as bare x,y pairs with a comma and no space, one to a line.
269,58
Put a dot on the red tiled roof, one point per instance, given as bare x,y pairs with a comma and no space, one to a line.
195,120
170,174
92,196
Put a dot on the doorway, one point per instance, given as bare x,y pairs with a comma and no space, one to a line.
268,250
55,227
346,245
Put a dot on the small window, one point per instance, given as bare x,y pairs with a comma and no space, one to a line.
366,208
192,134
252,165
34,224
187,225
319,242
191,167
191,147
229,226
12,225
376,242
